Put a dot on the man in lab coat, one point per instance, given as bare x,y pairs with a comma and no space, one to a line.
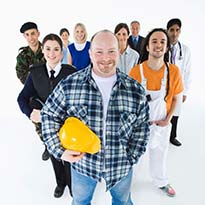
179,55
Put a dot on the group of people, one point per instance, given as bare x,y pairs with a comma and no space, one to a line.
127,89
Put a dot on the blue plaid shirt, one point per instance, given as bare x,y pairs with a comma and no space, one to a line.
127,123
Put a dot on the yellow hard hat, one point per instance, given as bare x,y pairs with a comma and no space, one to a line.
75,135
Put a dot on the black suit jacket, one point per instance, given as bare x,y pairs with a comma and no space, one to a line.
38,86
139,43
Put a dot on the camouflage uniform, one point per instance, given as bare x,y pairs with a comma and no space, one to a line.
25,58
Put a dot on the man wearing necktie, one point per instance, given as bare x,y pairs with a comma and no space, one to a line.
135,40
173,54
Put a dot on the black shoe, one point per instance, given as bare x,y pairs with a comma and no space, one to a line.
45,155
59,191
71,194
176,142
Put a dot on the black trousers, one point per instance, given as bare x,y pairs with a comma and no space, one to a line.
61,169
174,122
62,172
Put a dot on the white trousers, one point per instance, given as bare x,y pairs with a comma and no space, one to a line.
158,149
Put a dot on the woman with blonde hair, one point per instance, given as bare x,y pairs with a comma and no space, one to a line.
79,50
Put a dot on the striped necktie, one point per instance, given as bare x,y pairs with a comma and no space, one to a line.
173,54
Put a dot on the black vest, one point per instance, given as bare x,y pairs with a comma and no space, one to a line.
41,79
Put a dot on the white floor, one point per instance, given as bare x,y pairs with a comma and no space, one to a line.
27,180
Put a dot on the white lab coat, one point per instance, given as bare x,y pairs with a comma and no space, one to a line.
183,62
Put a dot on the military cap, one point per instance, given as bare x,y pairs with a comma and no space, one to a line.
28,25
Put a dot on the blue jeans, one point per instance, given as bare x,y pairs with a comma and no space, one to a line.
83,188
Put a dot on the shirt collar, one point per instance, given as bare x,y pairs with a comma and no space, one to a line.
56,69
176,45
135,37
127,51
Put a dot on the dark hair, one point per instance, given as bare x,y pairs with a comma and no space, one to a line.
145,53
64,30
174,21
53,37
120,26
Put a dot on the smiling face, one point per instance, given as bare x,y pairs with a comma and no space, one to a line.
31,37
157,45
122,36
52,52
104,54
135,29
65,36
80,33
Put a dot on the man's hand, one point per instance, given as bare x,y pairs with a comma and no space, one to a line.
161,123
72,156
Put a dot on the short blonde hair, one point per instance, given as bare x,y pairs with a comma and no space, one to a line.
83,28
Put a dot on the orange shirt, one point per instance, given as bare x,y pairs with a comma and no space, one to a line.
154,78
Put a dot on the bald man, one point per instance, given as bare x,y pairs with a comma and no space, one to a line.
112,105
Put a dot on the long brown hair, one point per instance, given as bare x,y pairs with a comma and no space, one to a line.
144,54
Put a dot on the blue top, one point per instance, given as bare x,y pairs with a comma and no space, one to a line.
80,59
65,56
127,123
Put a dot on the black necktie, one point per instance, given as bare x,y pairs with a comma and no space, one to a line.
52,77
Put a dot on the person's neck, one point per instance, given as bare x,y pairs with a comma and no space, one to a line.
103,74
65,44
155,64
174,43
123,47
135,36
52,66
35,47
80,42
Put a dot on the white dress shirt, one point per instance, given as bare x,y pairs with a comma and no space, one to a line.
128,60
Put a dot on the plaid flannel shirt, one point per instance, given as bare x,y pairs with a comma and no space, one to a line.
127,123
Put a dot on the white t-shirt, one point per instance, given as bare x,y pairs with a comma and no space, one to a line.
105,86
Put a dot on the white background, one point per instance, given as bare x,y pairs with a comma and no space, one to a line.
27,180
